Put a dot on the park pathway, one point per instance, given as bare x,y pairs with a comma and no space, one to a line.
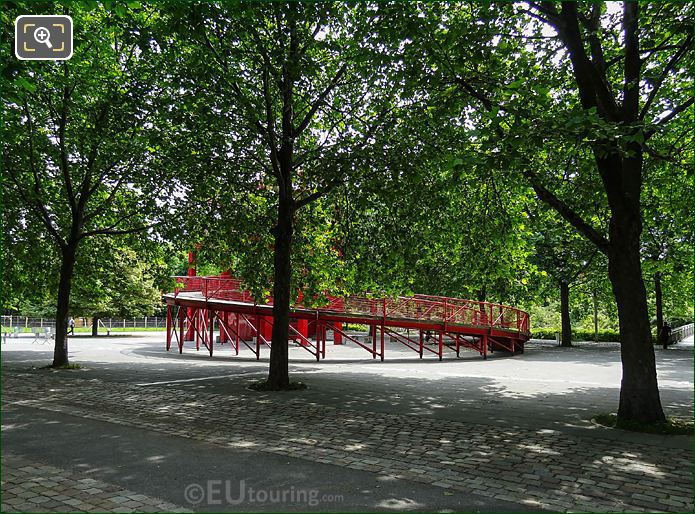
541,469
29,486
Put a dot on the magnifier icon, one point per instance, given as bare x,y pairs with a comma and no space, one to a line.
43,35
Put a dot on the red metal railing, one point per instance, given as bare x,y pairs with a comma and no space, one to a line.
419,307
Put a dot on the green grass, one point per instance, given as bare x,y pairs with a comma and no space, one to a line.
65,366
672,426
263,386
69,366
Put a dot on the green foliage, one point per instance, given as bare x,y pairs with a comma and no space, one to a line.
672,426
607,336
417,159
240,69
81,142
118,286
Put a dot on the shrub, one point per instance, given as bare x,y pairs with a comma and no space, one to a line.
577,335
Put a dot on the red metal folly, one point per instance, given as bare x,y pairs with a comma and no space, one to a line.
201,306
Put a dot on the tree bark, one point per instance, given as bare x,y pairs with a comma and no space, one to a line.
565,314
60,352
282,159
639,391
621,173
481,298
595,299
658,298
95,326
278,375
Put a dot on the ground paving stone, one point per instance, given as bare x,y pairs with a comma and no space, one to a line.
55,498
508,460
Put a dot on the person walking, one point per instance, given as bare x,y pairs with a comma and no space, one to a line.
71,326
665,334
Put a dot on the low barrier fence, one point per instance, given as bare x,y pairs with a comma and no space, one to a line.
680,333
27,324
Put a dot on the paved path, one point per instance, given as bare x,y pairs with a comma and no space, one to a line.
506,434
29,486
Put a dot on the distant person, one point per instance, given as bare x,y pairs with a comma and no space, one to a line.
665,334
71,326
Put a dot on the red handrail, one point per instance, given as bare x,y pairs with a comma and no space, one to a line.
420,307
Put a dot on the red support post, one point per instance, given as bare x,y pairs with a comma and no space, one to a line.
168,327
182,316
421,342
373,333
382,342
320,336
441,345
303,327
258,337
223,320
236,337
267,327
337,336
211,331
484,340
198,326
458,345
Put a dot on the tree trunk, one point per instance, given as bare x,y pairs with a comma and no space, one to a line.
565,314
658,297
95,326
595,298
278,376
481,299
639,391
60,352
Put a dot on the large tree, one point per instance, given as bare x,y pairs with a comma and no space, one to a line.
629,70
300,83
564,255
559,78
667,243
80,138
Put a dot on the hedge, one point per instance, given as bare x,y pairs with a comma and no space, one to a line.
577,335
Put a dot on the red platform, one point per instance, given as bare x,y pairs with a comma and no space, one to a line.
200,307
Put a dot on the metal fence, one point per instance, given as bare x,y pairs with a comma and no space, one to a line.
28,323
680,333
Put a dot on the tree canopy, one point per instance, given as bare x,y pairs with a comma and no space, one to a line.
513,152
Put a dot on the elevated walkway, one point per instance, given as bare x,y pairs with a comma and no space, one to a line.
200,307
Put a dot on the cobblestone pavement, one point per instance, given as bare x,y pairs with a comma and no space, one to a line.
33,487
544,468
